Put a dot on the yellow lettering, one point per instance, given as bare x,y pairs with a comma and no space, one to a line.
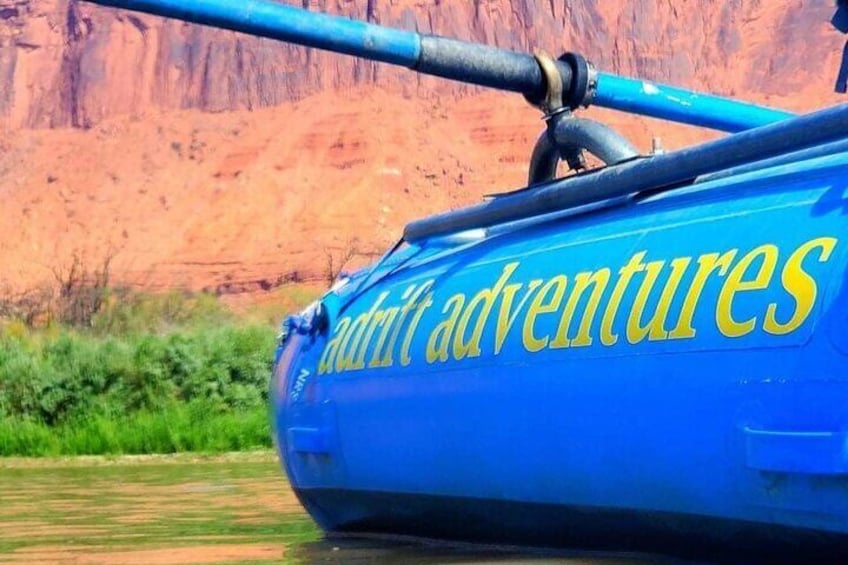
439,340
636,333
655,330
625,274
386,323
368,326
800,285
706,265
404,312
735,283
582,281
405,359
506,316
347,348
486,300
539,306
328,356
462,329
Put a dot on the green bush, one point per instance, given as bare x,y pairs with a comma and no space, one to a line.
152,374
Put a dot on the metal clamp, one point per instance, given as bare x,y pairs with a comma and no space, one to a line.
582,84
552,103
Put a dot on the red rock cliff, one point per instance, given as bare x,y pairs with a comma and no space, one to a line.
251,197
68,63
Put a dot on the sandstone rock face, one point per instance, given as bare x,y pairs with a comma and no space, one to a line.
205,159
68,63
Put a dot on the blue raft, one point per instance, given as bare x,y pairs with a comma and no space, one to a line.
650,356
665,374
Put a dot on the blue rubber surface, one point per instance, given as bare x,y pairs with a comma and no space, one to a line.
683,354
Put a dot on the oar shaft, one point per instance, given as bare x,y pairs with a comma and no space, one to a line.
451,58
680,105
273,20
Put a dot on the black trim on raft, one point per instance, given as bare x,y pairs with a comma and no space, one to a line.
665,171
573,527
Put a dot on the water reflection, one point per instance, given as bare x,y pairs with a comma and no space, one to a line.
236,509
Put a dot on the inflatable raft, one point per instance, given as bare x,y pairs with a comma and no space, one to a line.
651,355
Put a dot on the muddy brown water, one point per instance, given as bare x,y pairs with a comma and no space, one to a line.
190,510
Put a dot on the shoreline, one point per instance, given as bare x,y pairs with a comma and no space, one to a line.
253,456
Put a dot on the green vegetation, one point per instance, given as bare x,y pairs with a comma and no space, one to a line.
144,374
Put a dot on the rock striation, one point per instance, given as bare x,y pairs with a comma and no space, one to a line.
67,63
205,159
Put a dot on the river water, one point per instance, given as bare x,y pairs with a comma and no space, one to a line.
181,510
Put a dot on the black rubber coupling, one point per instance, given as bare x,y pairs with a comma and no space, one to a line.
581,91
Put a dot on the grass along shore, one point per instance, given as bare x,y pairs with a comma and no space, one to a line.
176,429
150,374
